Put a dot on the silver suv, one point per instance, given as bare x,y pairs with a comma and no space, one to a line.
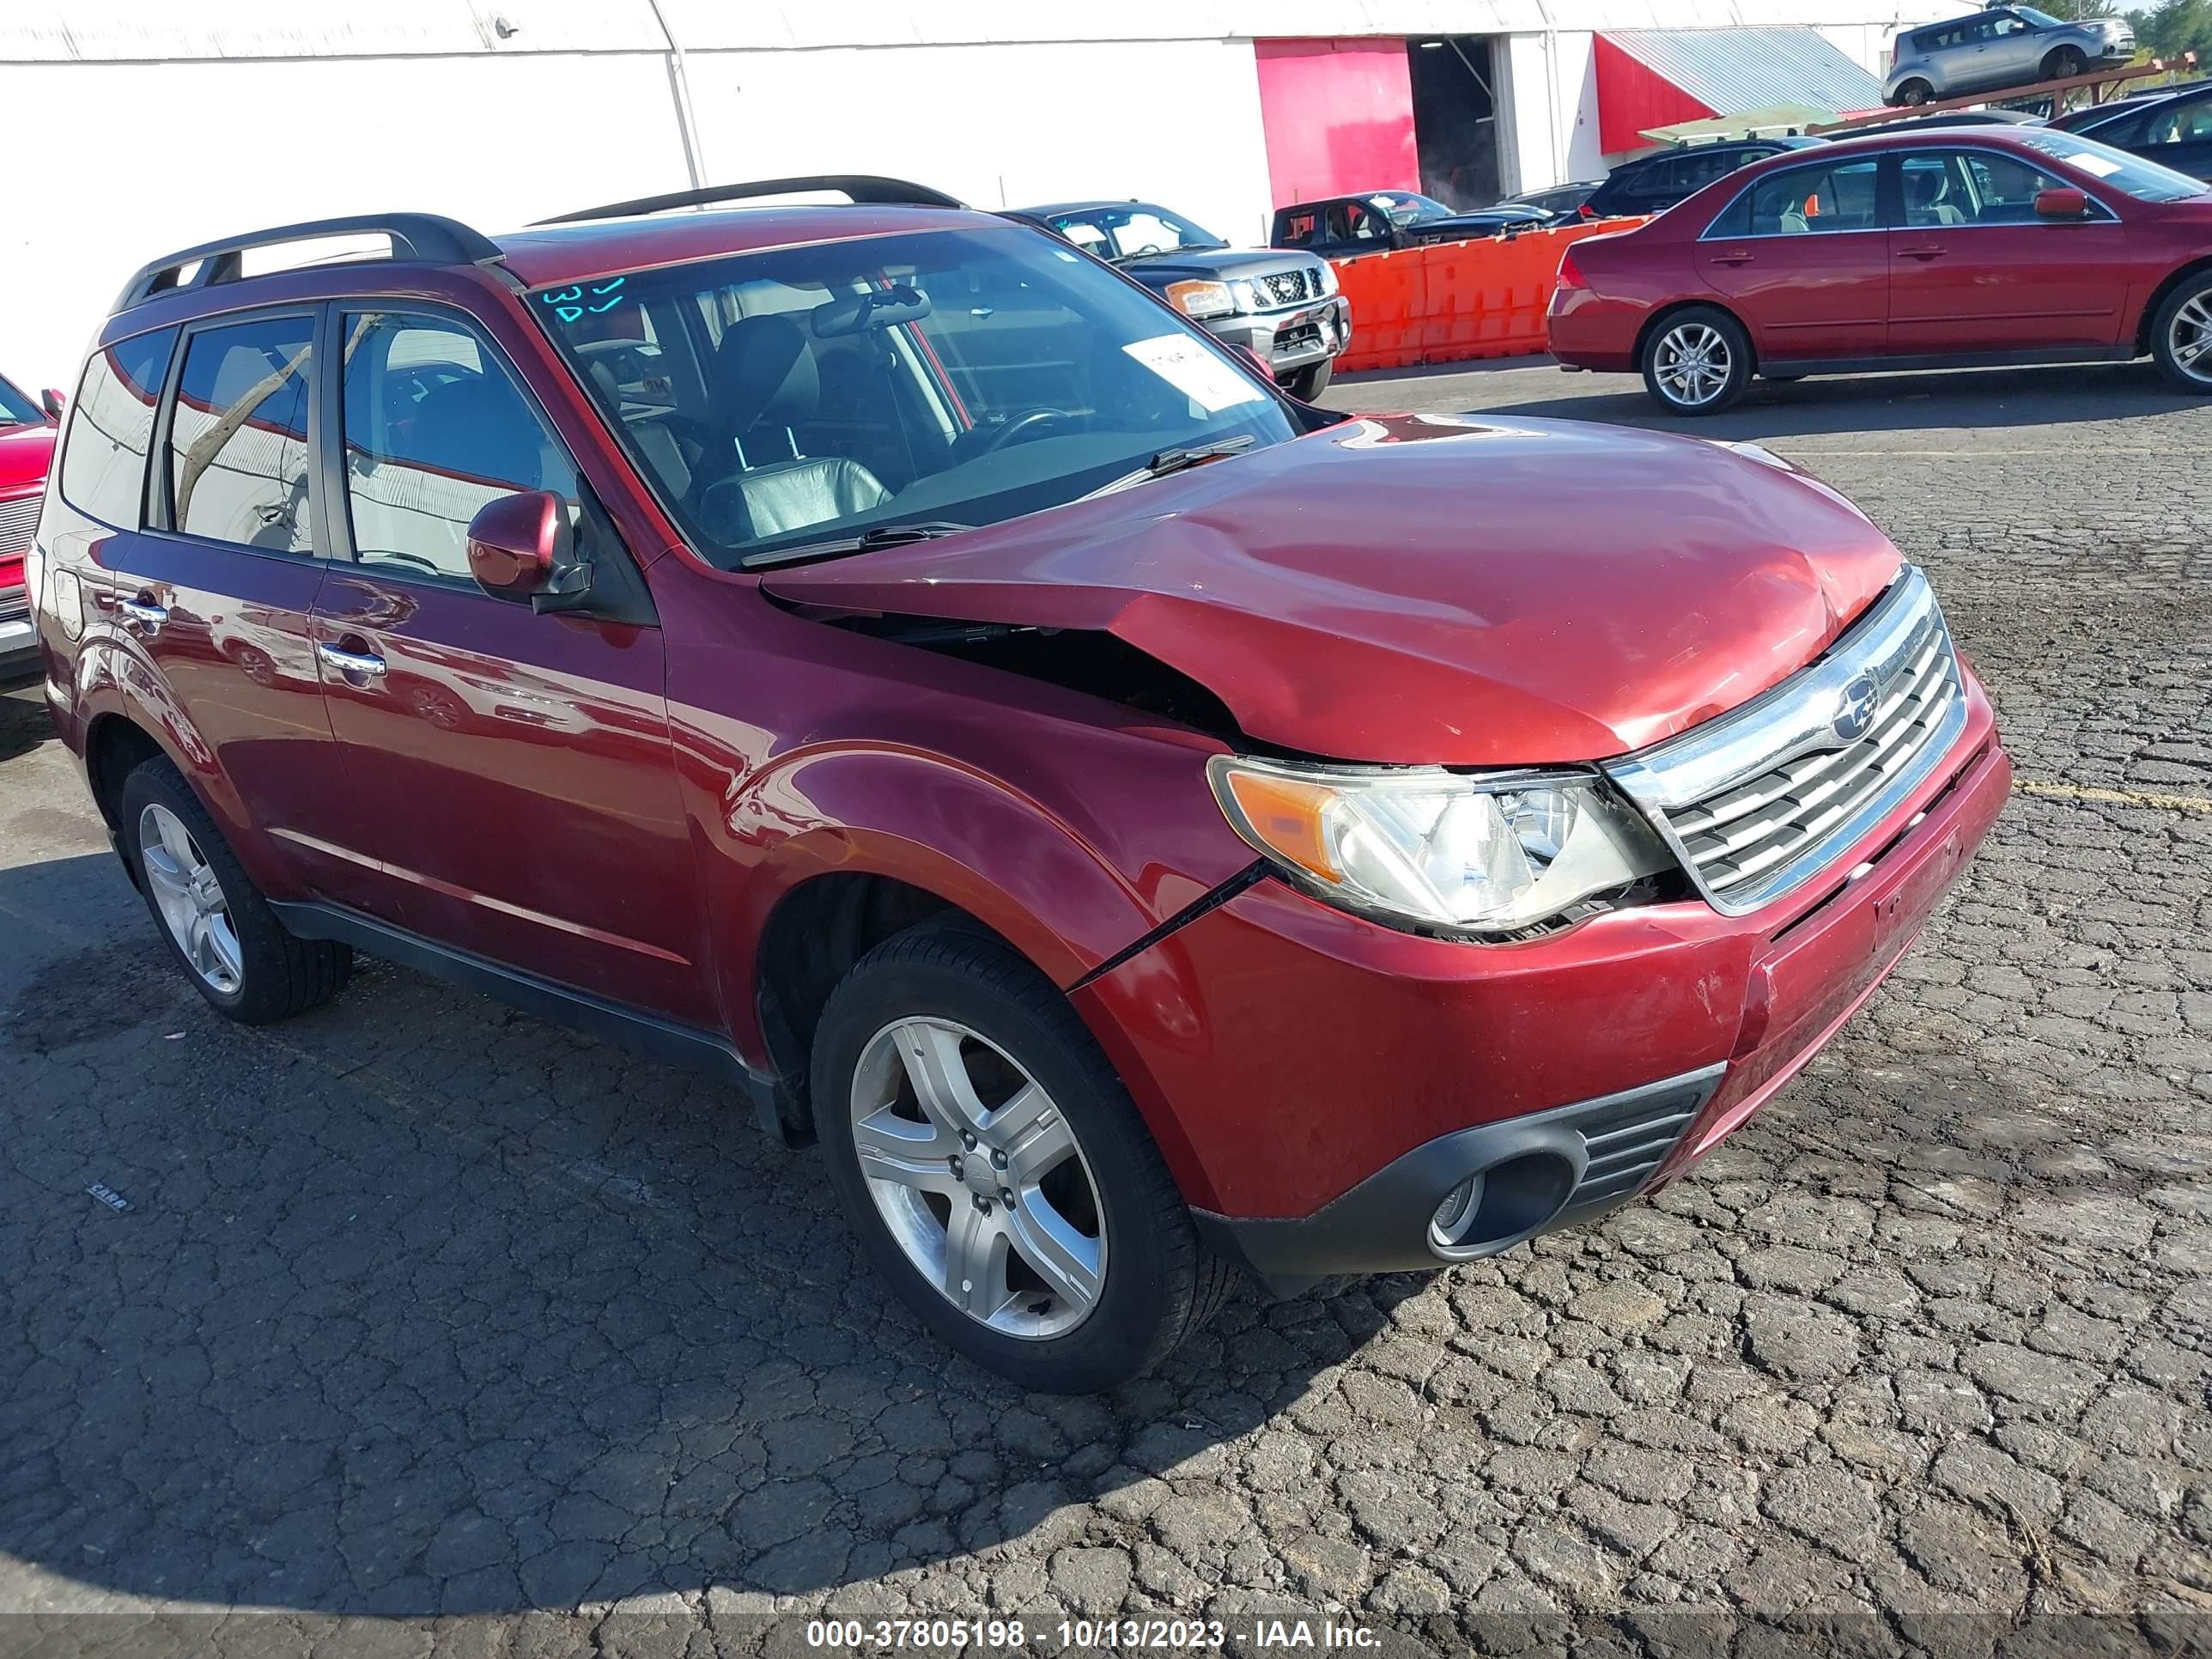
2003,46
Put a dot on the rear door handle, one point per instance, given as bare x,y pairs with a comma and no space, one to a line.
1923,254
148,616
365,663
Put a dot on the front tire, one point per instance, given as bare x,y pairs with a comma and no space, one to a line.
215,921
1697,361
1308,383
996,1170
1913,94
2181,335
2064,64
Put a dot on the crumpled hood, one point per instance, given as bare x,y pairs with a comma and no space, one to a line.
1428,589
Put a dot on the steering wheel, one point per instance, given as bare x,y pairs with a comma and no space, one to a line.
1015,425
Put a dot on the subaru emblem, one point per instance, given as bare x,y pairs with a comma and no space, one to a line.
1855,707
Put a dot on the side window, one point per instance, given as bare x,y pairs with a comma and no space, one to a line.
237,439
2128,131
1971,187
1805,201
1701,170
2191,123
1367,225
1298,230
111,428
435,428
1657,181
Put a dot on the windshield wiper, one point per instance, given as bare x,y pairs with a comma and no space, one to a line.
1175,460
883,535
1168,252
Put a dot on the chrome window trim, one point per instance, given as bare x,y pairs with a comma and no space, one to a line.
1793,719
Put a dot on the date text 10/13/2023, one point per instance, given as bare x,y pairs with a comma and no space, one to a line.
885,1635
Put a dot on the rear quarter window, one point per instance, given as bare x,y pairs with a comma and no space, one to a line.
111,428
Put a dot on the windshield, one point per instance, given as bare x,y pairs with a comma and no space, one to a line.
1132,230
16,409
1407,208
948,378
2146,181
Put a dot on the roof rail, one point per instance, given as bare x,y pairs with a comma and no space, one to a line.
429,238
865,188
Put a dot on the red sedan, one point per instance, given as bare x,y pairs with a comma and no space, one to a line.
1909,250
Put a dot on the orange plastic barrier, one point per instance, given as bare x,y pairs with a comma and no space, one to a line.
1450,301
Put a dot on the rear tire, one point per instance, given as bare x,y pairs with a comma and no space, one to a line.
2065,61
1308,383
1697,362
2181,335
209,912
1090,1272
1913,94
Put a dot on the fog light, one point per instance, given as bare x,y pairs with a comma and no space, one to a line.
1451,1217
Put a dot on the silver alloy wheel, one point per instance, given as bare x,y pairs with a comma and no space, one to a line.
1693,363
190,897
2189,337
980,1178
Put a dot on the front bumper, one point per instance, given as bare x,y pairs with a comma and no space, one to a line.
19,632
1318,1084
1292,339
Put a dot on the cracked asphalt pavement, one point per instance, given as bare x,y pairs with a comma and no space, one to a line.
428,1325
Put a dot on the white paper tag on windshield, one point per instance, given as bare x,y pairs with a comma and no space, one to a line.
2099,165
1193,370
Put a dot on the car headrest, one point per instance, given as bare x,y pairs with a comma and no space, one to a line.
765,371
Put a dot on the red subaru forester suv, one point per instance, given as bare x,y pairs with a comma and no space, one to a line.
1137,822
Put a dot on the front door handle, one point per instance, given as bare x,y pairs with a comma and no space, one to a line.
148,616
1737,257
1923,254
365,663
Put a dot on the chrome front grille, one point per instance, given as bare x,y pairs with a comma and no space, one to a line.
1762,799
1287,288
19,522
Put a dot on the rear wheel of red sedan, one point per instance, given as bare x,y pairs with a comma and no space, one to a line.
997,1171
2181,335
1697,362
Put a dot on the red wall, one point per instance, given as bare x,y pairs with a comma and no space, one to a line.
1338,115
1633,100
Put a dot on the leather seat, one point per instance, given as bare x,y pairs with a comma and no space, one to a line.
766,383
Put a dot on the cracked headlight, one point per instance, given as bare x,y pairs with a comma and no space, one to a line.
1490,852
